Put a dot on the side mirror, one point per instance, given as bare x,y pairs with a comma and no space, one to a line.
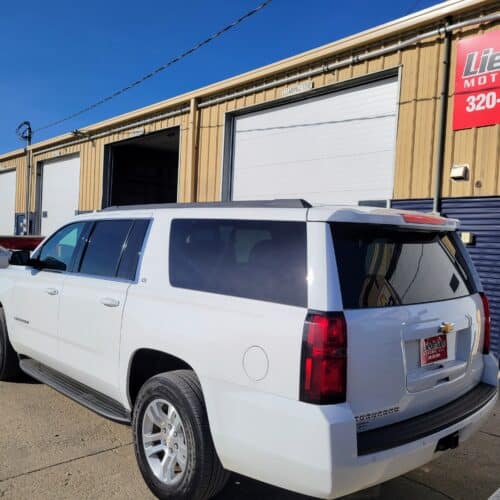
48,263
4,258
35,263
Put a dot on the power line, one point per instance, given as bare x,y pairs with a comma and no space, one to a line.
159,69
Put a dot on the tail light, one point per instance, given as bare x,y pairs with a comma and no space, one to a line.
487,324
324,359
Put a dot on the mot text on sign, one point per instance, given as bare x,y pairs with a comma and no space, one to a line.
477,82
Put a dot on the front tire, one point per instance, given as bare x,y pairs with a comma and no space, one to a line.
172,439
9,362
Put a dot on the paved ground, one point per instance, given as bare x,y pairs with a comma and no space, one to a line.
52,448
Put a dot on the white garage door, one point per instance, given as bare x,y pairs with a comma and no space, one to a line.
60,192
7,202
335,148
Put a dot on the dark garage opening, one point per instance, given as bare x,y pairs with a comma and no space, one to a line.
142,170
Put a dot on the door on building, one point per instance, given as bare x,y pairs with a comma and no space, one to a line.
142,170
58,191
337,147
7,201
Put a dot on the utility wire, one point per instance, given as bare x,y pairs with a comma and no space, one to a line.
159,69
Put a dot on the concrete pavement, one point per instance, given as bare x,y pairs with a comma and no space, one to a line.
52,448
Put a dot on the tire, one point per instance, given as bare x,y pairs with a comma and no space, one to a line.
9,362
182,463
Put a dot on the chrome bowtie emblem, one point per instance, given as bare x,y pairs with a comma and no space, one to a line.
446,327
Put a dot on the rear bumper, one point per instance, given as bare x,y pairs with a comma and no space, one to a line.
313,449
392,436
374,468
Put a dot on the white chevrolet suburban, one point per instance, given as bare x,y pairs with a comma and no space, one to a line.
321,349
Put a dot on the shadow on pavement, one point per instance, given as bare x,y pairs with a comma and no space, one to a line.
243,488
23,379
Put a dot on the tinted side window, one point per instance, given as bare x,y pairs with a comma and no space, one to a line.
132,252
104,248
263,260
61,247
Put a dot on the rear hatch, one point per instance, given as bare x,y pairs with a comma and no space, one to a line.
413,315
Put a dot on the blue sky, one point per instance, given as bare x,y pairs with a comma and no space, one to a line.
58,56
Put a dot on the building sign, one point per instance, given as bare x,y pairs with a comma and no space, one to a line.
297,88
477,82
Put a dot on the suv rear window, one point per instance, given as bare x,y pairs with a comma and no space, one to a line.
381,267
263,260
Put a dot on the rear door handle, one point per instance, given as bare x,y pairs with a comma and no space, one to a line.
110,302
52,291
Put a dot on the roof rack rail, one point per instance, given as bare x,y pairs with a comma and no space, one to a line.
283,203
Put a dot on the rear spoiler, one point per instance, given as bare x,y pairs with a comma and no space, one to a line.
386,216
20,242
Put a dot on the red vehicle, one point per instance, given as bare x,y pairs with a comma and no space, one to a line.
20,242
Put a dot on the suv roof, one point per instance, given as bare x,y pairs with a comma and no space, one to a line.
319,213
279,203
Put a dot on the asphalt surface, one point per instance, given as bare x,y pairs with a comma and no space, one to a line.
52,448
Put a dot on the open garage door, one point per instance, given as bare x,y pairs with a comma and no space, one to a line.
7,201
333,148
142,170
58,189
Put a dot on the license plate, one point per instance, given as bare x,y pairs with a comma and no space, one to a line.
433,349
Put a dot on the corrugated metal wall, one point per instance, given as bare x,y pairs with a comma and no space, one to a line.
481,216
420,205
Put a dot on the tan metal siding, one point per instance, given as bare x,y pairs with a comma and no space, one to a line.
418,119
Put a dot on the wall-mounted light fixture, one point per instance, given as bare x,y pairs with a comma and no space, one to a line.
459,172
467,237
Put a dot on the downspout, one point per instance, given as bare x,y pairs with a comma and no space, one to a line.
27,201
28,186
443,115
193,139
28,194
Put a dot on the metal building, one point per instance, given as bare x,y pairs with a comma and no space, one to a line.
407,113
